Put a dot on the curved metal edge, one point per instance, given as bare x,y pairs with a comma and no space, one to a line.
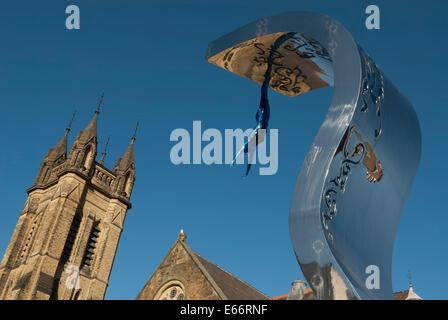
329,277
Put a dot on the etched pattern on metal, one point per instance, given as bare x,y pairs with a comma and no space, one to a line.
372,96
372,89
337,184
296,65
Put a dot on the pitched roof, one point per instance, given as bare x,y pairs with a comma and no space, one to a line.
401,295
232,287
227,286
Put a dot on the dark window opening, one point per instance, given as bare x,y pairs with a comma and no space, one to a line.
68,247
91,246
173,293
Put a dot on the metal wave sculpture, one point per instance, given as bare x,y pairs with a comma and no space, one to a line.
357,174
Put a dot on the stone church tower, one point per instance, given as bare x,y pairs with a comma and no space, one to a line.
65,241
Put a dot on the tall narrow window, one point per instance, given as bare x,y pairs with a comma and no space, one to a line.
91,246
66,253
28,240
71,238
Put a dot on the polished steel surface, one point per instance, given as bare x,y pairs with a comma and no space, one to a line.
296,66
357,174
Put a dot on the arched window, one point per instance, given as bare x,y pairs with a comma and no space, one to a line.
172,293
173,290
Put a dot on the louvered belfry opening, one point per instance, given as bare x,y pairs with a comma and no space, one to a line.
71,238
91,246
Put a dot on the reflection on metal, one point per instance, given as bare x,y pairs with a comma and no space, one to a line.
295,64
353,183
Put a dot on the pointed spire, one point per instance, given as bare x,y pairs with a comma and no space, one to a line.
411,293
128,157
105,151
61,147
90,131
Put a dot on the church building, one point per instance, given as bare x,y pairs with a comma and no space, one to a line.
184,274
64,244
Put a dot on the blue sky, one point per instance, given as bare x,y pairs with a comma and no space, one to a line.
148,58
